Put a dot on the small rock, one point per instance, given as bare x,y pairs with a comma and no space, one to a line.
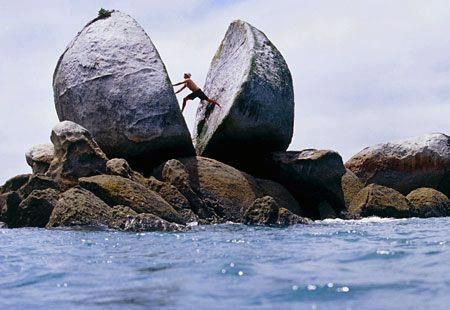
35,210
428,202
263,211
377,200
14,183
351,185
39,157
150,222
120,167
170,194
80,207
76,153
9,204
286,217
37,182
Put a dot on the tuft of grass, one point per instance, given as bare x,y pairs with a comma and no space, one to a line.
102,13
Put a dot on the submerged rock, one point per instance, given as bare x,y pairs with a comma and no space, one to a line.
112,81
428,202
251,80
405,165
377,200
39,157
76,153
116,190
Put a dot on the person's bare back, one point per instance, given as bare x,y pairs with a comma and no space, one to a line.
196,91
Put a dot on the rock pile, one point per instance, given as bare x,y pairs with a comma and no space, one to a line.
122,158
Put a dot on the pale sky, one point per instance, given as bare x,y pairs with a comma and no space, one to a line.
364,72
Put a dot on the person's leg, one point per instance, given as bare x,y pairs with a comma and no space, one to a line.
185,99
212,101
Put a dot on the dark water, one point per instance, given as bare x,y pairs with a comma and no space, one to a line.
370,264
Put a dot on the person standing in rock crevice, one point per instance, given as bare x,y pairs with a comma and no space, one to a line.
196,91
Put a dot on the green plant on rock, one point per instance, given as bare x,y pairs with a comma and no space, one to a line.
102,13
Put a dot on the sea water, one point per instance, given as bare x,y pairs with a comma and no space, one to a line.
334,264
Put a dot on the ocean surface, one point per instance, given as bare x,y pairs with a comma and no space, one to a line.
367,264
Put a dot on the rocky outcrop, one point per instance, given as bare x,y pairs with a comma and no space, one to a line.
377,200
216,190
76,153
351,185
39,157
405,165
111,80
35,210
252,82
116,190
79,207
313,177
428,202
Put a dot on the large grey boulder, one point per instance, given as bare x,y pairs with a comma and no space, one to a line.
251,80
111,80
39,157
76,153
405,165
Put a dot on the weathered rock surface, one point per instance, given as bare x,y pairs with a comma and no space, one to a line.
428,202
14,183
35,210
76,153
37,182
251,80
80,207
263,211
313,177
377,200
116,190
120,167
39,157
286,217
405,165
112,81
351,185
9,204
218,190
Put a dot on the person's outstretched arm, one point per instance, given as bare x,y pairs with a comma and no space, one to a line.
184,86
179,83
